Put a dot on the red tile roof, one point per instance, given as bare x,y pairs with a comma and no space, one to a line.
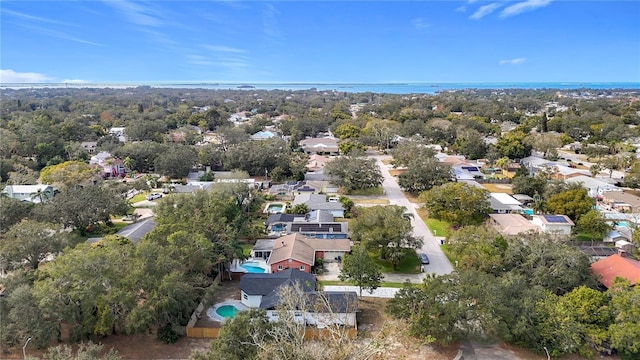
616,266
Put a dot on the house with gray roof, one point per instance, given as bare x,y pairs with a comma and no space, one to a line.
318,224
263,291
319,202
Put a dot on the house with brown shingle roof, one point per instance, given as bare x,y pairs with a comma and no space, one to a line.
615,266
296,251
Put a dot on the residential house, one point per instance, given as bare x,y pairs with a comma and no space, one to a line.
110,166
319,309
118,132
316,224
512,224
296,251
614,266
524,199
319,202
327,145
31,193
614,236
467,172
134,232
263,135
502,203
620,201
89,146
553,224
317,162
595,187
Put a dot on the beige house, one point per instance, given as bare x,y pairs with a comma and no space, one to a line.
322,146
621,201
512,224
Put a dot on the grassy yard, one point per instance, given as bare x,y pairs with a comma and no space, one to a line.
409,265
499,188
370,201
139,197
368,192
441,228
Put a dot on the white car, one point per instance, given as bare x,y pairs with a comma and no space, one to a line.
153,196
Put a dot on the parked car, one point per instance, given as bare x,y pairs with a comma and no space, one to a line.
424,259
153,196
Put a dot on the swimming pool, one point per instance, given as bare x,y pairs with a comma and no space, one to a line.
274,208
227,311
621,223
253,267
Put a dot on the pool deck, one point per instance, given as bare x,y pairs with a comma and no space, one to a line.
235,265
213,315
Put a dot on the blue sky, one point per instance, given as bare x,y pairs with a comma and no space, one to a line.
320,41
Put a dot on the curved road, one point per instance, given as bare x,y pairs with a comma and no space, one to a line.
439,264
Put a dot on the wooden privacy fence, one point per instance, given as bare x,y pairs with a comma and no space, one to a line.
199,332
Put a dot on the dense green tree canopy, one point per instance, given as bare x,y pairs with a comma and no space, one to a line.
354,172
457,203
423,174
386,230
573,202
32,242
360,269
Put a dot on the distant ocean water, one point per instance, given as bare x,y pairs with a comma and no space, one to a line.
390,88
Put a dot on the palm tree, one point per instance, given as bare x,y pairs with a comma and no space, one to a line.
128,163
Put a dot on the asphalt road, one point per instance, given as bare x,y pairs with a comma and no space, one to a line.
439,264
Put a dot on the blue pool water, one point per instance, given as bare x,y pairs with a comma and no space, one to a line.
252,267
227,311
528,211
275,208
622,223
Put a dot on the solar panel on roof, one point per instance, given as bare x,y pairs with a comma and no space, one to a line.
555,218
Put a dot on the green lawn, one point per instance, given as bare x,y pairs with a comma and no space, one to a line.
410,264
139,197
441,227
365,192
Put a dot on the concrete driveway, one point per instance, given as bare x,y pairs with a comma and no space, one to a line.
439,264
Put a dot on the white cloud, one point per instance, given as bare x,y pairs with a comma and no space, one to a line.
137,13
524,6
420,23
270,23
29,17
461,8
513,61
225,49
75,81
484,11
9,76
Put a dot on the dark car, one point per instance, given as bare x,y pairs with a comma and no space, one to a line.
424,259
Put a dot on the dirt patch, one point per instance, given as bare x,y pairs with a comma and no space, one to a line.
135,347
374,323
499,188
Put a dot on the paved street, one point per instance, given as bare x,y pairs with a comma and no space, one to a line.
439,264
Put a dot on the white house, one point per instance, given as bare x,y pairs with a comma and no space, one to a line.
553,224
31,193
